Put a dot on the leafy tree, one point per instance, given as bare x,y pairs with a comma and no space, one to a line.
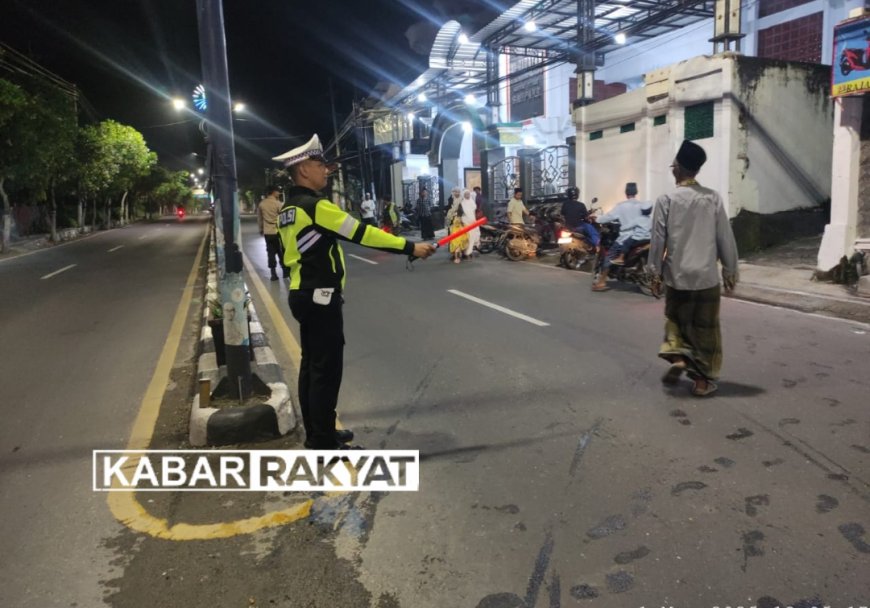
114,156
17,141
37,135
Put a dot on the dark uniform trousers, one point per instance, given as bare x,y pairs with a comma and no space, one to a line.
274,251
321,329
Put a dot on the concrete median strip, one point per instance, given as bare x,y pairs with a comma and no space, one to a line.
124,505
269,419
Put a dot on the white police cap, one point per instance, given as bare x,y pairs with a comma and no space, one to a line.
312,149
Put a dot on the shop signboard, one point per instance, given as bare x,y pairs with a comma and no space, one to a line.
526,89
850,74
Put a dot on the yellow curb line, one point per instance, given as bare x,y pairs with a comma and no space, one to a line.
124,506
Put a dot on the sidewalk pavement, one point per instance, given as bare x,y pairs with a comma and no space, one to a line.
783,276
26,244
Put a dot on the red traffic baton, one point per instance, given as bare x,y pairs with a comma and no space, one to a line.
455,235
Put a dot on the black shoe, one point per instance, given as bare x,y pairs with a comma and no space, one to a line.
274,276
344,435
338,446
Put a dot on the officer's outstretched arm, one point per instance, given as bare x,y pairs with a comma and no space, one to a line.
329,216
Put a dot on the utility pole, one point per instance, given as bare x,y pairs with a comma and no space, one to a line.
342,197
361,147
212,46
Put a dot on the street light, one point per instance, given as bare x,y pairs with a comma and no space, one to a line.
239,107
178,103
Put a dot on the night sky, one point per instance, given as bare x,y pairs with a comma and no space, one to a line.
129,56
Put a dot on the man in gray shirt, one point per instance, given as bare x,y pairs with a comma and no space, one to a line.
690,234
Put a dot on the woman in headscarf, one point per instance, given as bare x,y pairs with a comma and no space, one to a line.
466,212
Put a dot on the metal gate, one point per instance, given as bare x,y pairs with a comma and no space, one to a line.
504,176
549,173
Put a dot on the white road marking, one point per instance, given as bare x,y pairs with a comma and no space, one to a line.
143,236
363,259
506,311
51,274
115,248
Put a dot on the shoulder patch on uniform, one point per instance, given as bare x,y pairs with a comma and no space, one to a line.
287,217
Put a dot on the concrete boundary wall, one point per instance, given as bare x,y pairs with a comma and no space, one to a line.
769,149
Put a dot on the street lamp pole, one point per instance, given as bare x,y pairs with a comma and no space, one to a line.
219,110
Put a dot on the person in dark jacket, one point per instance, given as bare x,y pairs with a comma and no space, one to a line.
424,213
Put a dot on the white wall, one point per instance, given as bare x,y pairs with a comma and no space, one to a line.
786,145
749,162
557,92
605,165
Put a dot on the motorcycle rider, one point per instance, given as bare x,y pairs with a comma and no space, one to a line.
635,223
574,213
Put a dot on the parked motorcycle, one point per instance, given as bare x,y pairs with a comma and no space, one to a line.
492,237
521,242
634,269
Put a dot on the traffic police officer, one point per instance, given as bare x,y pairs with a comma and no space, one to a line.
310,227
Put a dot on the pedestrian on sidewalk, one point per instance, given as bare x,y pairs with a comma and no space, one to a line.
479,202
690,235
367,210
452,206
467,213
267,220
310,227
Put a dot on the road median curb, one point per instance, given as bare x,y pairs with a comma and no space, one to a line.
273,417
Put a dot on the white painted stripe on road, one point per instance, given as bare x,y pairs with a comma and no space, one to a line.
506,311
143,236
362,259
115,248
51,274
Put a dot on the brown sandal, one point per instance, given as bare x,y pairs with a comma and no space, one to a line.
707,390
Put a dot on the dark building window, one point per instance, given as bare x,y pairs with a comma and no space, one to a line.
596,135
796,40
660,120
627,128
699,121
769,7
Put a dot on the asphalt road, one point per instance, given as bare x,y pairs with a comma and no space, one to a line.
556,471
82,327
